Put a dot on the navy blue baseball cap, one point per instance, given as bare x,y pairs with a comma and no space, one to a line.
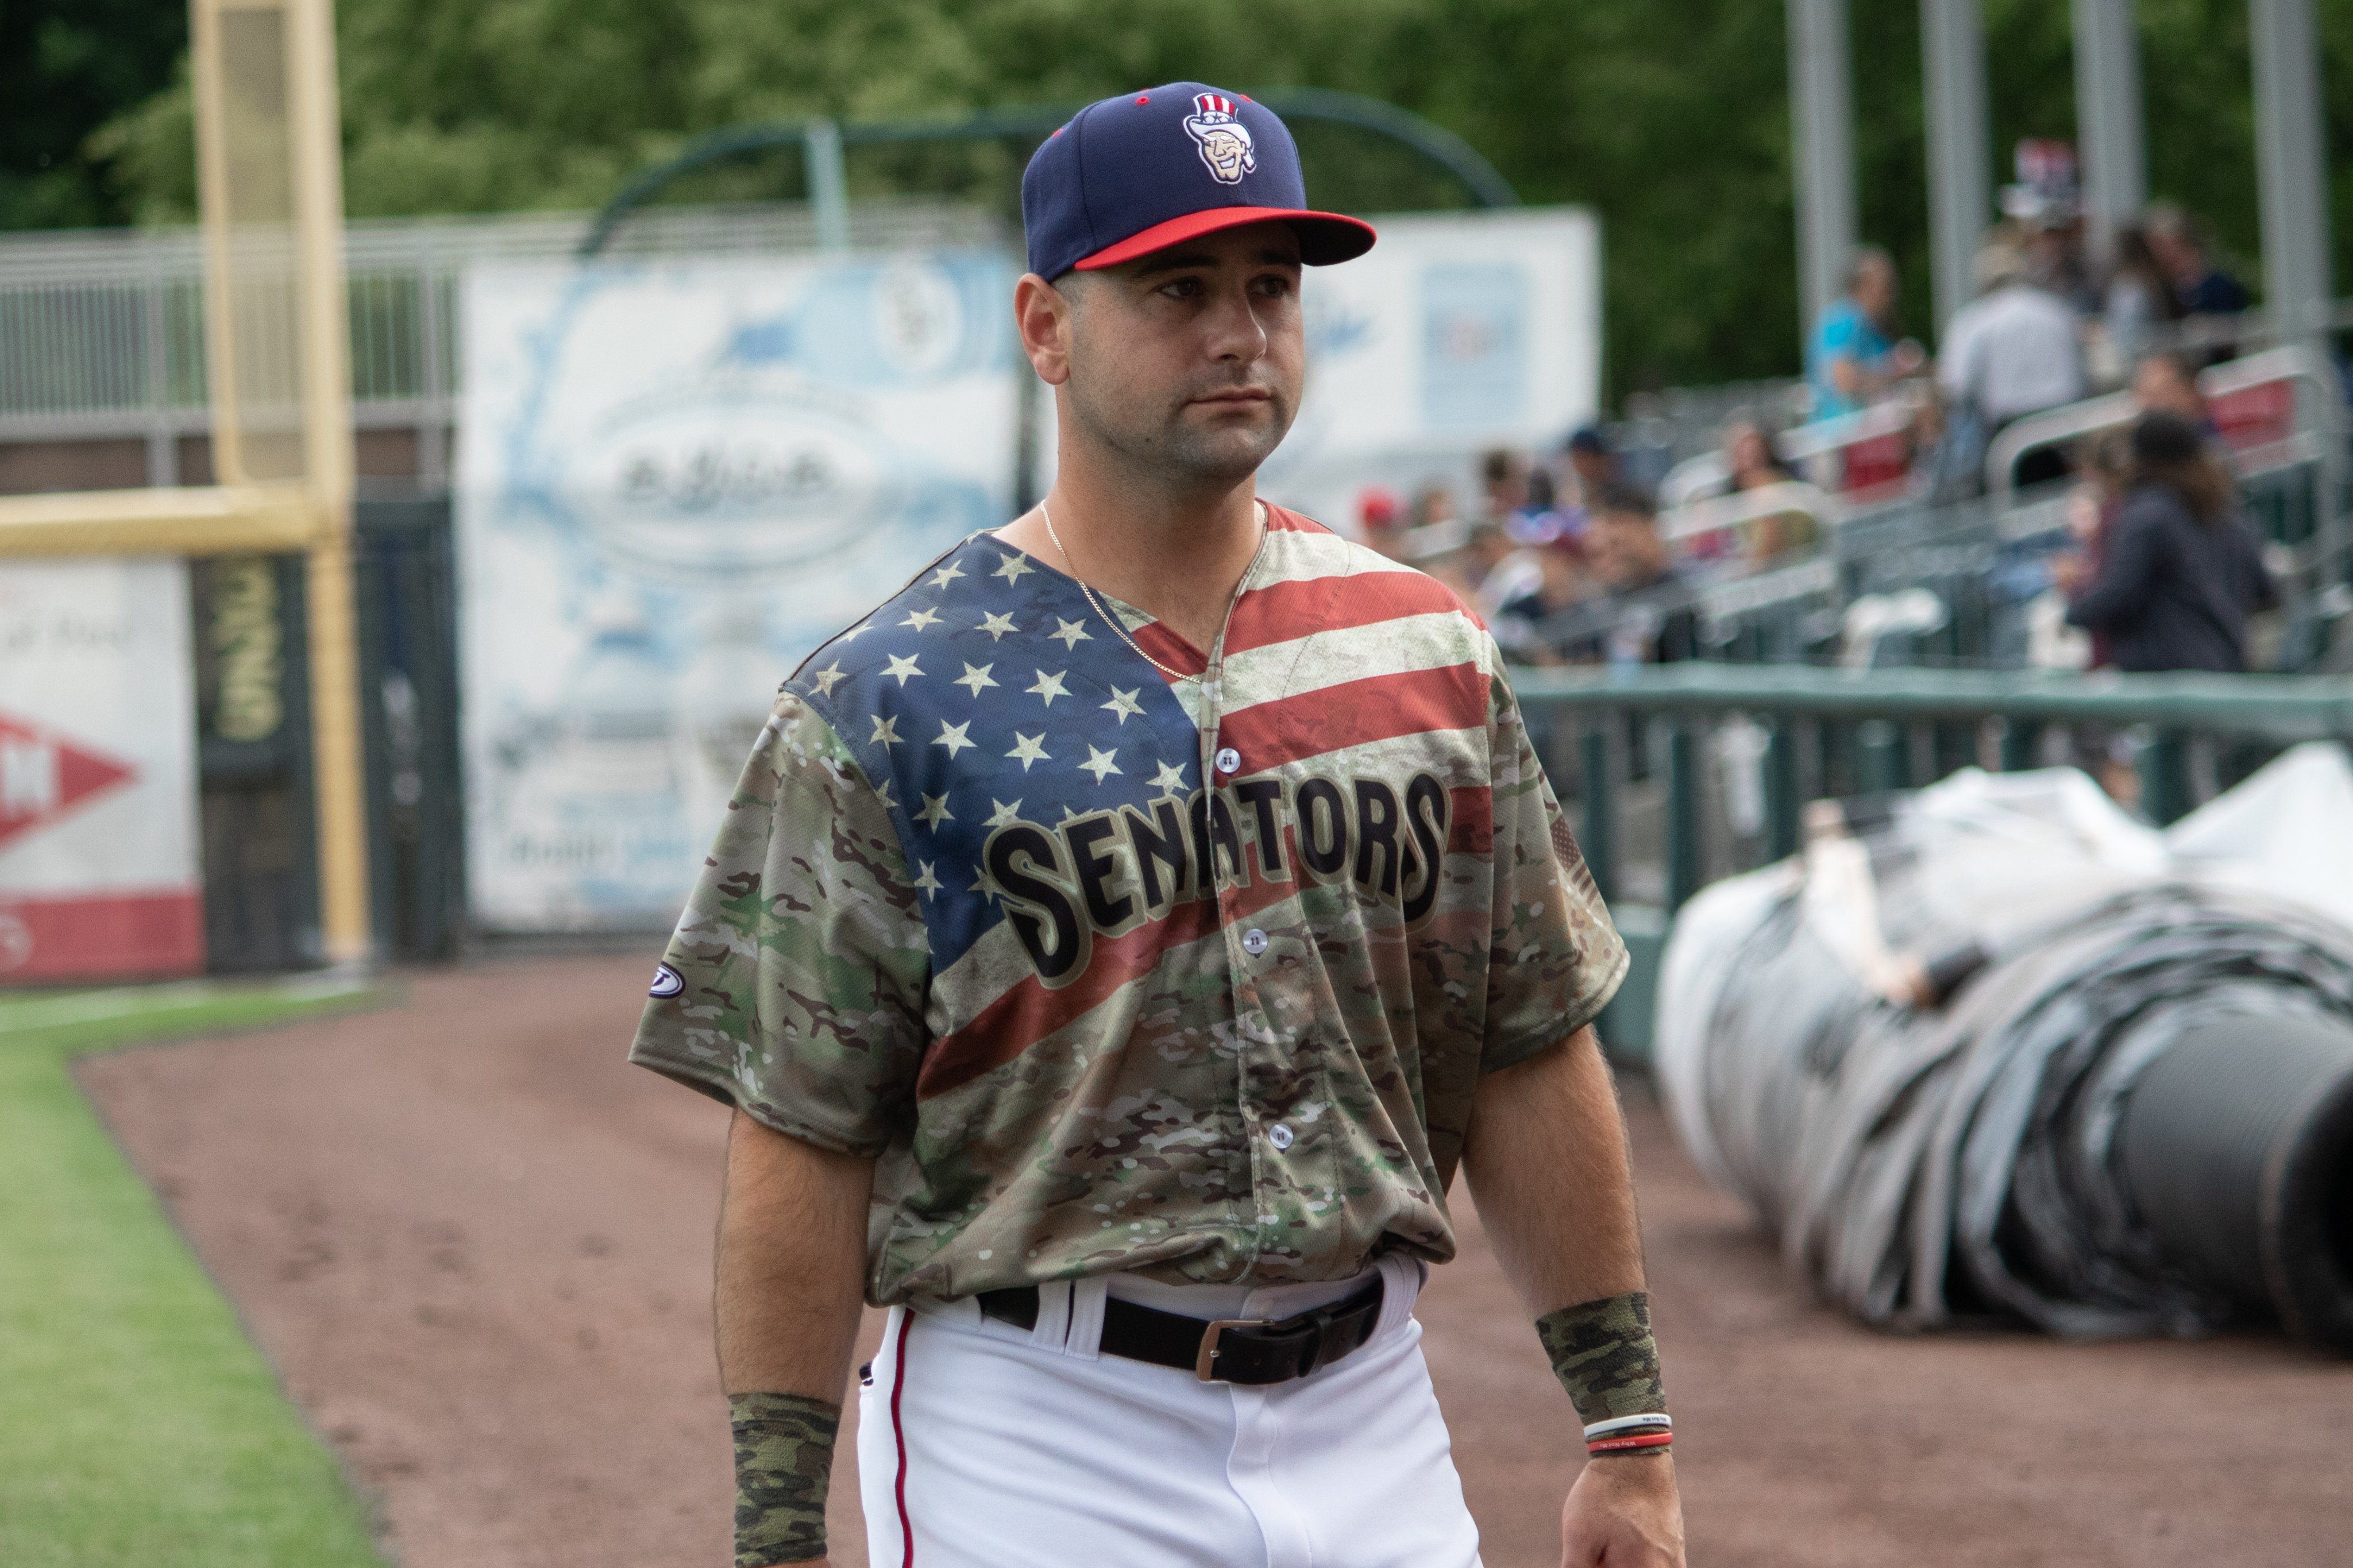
1137,174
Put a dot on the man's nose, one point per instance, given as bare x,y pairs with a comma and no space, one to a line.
1235,330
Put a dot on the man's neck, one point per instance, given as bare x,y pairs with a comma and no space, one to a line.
1178,556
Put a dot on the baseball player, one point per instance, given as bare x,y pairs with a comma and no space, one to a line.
1116,942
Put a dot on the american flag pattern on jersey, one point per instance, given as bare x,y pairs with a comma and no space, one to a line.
1110,970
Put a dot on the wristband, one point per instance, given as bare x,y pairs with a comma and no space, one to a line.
784,1463
1604,1355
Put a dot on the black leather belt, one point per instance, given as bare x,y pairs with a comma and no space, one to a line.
1248,1350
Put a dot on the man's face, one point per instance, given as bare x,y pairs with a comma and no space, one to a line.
1191,359
1874,290
1626,549
2158,383
2176,255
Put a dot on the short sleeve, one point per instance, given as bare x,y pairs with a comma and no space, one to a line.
1556,958
793,986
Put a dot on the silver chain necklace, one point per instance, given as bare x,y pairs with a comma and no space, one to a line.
1117,624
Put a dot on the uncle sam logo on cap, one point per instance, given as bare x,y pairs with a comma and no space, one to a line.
1224,141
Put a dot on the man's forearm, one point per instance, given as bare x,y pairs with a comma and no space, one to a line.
1546,1162
791,1259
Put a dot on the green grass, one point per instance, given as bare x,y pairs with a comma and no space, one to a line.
138,1425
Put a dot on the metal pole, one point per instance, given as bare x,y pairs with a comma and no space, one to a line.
1821,128
1599,837
829,185
315,140
1960,186
2292,163
2108,120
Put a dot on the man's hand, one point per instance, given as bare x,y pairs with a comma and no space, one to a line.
1623,1514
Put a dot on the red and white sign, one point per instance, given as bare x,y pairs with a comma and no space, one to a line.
99,867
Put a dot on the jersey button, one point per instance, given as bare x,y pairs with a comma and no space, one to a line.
1228,760
1280,1136
1253,941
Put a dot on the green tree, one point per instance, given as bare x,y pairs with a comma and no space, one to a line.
1669,118
66,66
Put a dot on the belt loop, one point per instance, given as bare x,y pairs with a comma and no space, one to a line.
1401,1279
1054,1322
1083,1339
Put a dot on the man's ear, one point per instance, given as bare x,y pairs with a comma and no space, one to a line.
1044,315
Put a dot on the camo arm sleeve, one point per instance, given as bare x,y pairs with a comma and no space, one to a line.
1556,958
794,986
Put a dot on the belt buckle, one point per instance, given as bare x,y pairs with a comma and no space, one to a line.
1210,1337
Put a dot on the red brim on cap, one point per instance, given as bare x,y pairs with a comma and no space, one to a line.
1323,238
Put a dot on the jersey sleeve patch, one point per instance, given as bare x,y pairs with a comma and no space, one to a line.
793,987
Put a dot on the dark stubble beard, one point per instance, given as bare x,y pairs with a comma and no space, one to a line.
1157,439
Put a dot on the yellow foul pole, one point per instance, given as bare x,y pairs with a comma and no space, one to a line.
271,166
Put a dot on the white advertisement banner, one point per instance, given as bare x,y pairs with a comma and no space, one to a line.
100,871
676,481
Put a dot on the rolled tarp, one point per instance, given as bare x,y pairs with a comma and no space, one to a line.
1994,1049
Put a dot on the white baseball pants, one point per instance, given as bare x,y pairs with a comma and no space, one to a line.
981,1444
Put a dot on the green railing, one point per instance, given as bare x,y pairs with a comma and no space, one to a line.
1678,774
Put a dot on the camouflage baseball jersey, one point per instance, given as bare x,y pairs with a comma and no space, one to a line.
1194,977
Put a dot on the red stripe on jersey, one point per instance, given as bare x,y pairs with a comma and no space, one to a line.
1283,611
1028,1012
1280,519
1165,646
1471,830
1355,712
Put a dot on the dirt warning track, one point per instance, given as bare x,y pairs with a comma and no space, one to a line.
477,1245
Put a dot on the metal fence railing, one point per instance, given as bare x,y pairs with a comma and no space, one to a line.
102,332
1677,776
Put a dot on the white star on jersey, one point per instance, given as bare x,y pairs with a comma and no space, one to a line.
927,883
1070,633
922,620
1124,703
903,667
1004,815
1049,687
1012,569
1100,763
936,809
975,678
828,677
1027,748
952,736
997,626
947,575
1169,780
886,732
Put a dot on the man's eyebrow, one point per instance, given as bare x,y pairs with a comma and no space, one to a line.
1152,266
1164,262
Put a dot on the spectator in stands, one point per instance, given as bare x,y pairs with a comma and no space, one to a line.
1433,507
2181,571
1750,465
1561,584
2106,464
2140,298
2011,351
1379,520
1655,623
1497,569
2179,245
1850,359
2166,380
1591,463
1503,483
